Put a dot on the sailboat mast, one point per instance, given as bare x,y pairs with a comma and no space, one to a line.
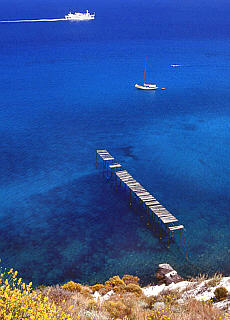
144,71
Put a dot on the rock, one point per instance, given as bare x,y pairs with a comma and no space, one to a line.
97,295
108,295
167,275
158,305
153,290
180,301
223,305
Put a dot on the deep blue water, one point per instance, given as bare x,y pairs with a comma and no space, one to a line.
66,90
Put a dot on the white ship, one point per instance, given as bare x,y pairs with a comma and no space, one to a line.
80,16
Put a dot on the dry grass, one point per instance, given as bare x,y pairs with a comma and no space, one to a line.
215,280
200,278
129,306
191,310
197,310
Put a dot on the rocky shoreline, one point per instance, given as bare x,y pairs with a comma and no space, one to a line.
169,281
119,298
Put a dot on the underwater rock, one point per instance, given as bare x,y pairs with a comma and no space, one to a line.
167,275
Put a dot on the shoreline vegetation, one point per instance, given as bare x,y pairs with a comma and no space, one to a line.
118,298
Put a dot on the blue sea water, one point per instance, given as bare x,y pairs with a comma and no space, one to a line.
66,90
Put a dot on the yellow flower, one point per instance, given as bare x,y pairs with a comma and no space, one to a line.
15,274
19,302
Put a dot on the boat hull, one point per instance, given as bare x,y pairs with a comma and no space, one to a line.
79,18
146,87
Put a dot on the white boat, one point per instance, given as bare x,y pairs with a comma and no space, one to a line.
80,16
146,86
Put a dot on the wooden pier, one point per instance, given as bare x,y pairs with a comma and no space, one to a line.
166,221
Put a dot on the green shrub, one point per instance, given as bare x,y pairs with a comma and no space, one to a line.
130,279
72,286
117,309
212,283
131,287
215,280
115,282
119,289
97,287
104,290
221,293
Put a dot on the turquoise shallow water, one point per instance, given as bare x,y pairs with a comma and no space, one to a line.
60,101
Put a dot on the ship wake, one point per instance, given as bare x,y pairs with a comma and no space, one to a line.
34,20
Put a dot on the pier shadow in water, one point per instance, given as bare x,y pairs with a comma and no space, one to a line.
83,231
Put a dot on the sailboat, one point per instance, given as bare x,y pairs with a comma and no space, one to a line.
146,86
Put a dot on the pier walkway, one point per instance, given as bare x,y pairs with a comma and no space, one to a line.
154,209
